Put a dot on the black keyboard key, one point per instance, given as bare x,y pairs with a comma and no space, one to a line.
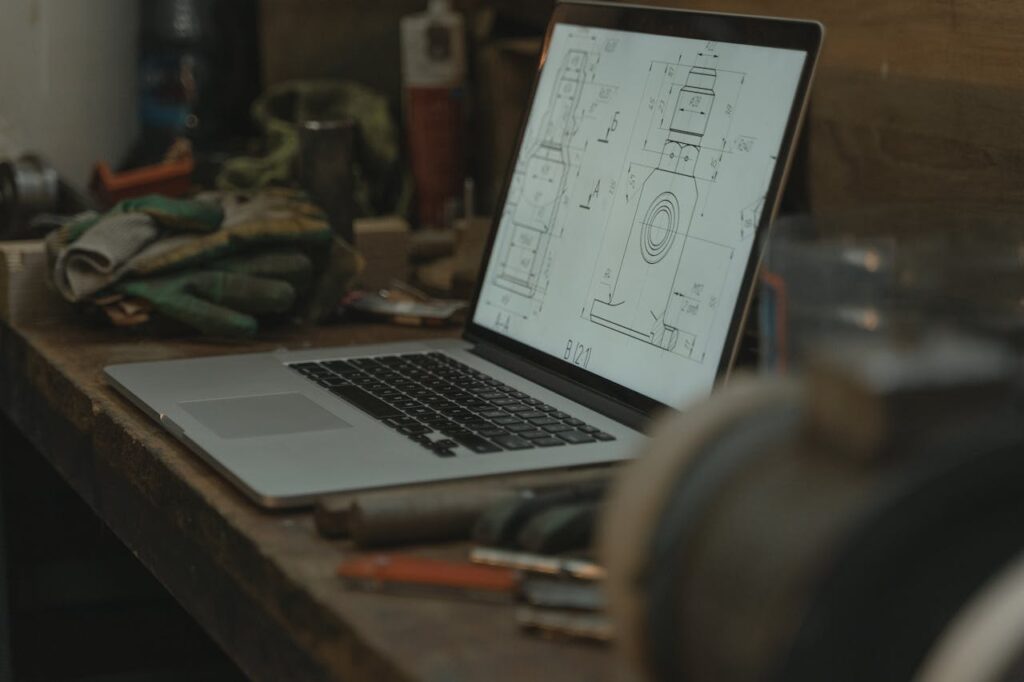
477,424
520,427
560,415
502,402
491,395
375,407
601,435
491,431
455,412
417,358
575,437
531,414
545,408
475,442
548,442
438,424
493,414
543,421
414,429
586,428
331,380
421,394
403,421
513,442
518,408
556,428
420,411
533,435
508,420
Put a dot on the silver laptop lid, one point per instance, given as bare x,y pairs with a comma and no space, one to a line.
648,168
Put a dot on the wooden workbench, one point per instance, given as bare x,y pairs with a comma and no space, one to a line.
261,584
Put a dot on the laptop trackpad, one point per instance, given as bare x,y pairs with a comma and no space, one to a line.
263,415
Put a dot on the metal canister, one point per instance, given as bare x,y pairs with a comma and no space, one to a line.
28,186
325,168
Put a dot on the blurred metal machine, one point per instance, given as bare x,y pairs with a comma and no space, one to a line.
28,186
830,527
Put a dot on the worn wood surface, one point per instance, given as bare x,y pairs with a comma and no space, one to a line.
261,584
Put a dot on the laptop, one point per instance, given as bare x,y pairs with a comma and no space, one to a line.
616,280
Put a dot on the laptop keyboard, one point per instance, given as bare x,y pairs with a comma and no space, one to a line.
442,404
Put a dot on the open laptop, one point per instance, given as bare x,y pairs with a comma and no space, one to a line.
616,280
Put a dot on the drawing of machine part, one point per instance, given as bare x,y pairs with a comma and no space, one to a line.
542,180
638,304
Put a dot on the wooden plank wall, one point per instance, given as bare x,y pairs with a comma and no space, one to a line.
355,39
916,101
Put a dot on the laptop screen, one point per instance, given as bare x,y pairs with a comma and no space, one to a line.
632,210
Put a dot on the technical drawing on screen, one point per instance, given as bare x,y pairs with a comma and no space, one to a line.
635,195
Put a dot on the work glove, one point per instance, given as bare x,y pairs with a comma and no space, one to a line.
215,263
225,297
92,251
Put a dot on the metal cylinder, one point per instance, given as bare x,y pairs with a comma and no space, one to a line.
325,168
28,186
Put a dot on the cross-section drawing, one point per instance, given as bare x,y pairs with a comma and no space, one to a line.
640,302
541,182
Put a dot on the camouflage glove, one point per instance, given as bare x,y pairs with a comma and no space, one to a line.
224,298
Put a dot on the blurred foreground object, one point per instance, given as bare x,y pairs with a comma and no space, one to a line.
827,527
215,264
891,271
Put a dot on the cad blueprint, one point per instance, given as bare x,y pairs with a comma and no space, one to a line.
634,198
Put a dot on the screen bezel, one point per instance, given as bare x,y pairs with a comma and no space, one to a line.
805,36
